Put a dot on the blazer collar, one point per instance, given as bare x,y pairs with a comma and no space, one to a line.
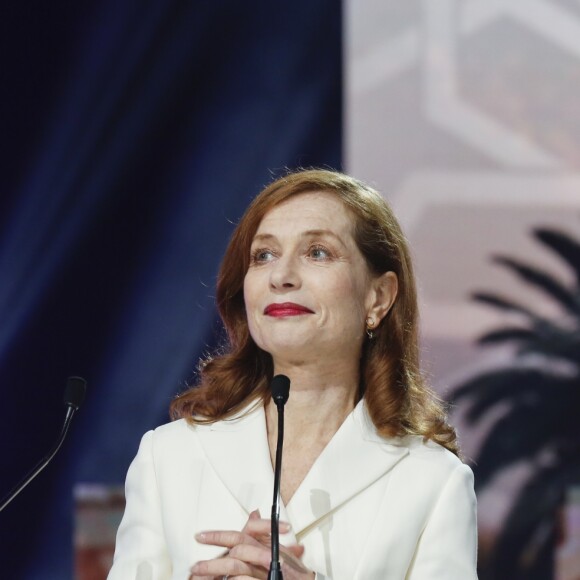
238,451
354,459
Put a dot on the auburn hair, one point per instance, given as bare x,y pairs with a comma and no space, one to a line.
397,397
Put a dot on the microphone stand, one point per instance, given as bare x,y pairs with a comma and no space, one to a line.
280,390
73,398
275,570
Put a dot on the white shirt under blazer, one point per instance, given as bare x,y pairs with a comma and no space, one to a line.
370,508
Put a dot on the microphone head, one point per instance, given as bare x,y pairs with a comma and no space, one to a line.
74,392
280,387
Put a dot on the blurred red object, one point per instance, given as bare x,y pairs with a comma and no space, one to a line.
98,512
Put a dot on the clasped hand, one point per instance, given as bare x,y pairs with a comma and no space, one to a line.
248,554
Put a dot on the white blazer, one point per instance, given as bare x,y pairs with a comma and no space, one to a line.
369,508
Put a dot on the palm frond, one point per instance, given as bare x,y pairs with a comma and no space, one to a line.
491,299
528,428
543,281
554,342
512,386
526,539
544,337
507,334
566,247
537,409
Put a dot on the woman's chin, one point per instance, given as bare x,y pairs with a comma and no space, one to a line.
292,351
299,354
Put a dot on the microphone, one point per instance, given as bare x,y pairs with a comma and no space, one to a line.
74,395
280,387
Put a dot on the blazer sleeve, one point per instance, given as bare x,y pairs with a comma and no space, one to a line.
140,551
447,548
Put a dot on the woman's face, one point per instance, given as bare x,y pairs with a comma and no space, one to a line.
308,290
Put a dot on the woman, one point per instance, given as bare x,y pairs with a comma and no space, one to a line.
316,284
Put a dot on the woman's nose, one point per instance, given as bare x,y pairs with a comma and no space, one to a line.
285,274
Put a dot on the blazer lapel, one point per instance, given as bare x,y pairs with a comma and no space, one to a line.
354,459
238,451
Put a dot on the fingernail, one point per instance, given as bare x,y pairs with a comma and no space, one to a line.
285,526
200,537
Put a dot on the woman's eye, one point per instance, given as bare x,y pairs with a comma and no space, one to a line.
261,255
319,253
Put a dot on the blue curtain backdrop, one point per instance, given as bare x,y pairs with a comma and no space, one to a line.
133,135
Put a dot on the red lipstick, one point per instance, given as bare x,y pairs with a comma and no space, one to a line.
286,309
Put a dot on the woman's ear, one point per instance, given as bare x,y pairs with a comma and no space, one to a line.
385,289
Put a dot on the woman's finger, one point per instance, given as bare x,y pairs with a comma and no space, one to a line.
251,561
224,538
227,566
247,552
296,550
263,527
255,515
254,555
292,566
255,531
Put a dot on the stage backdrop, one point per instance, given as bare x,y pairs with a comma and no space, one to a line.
464,114
133,135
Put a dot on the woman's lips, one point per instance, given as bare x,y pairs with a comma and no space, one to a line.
286,309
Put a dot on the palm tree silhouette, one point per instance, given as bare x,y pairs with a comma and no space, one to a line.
540,395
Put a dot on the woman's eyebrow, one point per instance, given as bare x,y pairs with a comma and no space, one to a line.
323,233
263,237
317,233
